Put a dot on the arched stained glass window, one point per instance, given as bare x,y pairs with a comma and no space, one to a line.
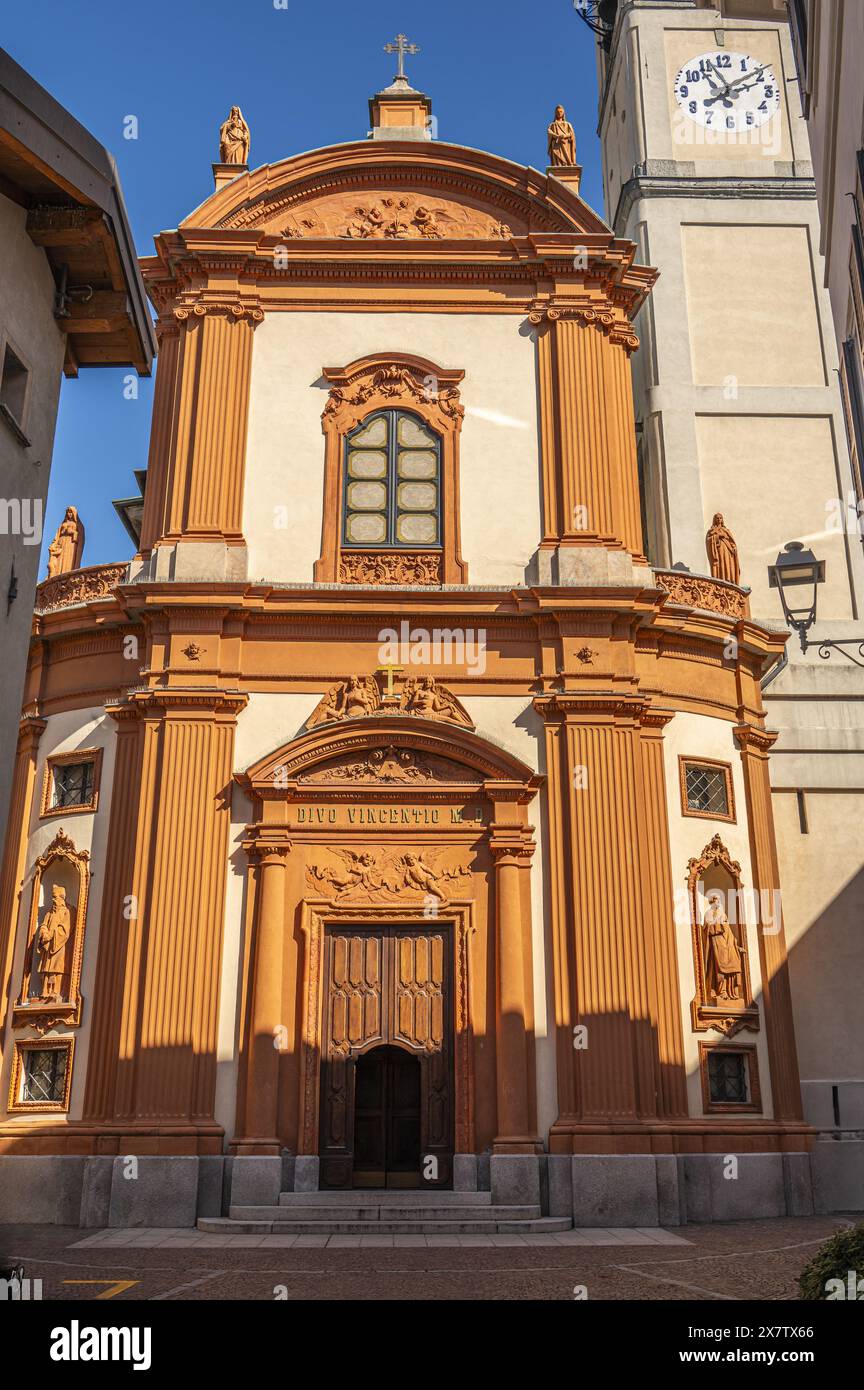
392,483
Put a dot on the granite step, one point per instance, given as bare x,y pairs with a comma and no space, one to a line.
384,1197
417,1225
429,1211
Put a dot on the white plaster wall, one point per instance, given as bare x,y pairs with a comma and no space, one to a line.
27,324
85,728
499,456
699,736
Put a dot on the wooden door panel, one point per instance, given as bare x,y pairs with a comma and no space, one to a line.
384,987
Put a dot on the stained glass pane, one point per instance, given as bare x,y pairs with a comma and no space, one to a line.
366,463
417,497
366,528
417,528
411,432
418,463
367,497
373,436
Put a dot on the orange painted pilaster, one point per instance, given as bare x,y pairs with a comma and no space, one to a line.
267,1012
512,857
776,992
613,930
164,397
207,445
588,439
157,1045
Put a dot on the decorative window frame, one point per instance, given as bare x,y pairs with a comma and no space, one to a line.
22,1047
80,755
36,1013
716,1107
728,1016
686,760
391,381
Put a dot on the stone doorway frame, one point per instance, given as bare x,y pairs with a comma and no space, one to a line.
317,914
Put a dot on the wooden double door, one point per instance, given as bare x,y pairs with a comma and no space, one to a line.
386,1116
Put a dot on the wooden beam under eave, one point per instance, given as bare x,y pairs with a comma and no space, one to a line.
57,227
105,311
70,360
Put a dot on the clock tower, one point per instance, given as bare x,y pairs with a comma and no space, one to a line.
706,166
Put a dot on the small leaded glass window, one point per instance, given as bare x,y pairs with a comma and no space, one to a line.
707,790
392,493
73,784
43,1075
727,1078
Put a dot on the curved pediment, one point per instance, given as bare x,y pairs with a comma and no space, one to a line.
387,751
366,191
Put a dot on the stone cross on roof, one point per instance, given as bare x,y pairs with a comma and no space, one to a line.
401,46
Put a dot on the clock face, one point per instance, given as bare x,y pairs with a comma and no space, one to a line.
727,91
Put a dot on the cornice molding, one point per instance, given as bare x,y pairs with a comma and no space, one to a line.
690,186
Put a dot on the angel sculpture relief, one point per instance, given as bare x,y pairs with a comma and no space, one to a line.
412,872
421,695
361,873
351,699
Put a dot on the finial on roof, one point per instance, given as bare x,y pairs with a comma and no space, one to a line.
400,112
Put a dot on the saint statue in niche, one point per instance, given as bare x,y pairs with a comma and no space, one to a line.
234,138
562,140
723,966
51,944
722,551
64,552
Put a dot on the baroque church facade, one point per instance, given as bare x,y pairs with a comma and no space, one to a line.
389,821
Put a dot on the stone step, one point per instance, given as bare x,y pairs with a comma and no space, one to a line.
543,1225
384,1197
429,1211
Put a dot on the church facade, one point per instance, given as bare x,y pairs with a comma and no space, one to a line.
389,821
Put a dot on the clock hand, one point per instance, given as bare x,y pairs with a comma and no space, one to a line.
736,88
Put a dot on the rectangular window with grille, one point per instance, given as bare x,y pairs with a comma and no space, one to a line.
727,1078
706,789
41,1076
73,784
730,1078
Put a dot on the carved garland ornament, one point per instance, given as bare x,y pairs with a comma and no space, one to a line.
698,591
402,567
396,382
79,586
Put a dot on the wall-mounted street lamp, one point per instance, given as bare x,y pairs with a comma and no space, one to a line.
797,574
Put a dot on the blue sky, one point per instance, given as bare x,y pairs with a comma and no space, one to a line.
302,76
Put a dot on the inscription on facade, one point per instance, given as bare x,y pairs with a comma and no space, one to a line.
390,815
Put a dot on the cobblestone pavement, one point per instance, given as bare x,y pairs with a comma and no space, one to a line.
741,1259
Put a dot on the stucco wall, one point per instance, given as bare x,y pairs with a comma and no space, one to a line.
499,440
